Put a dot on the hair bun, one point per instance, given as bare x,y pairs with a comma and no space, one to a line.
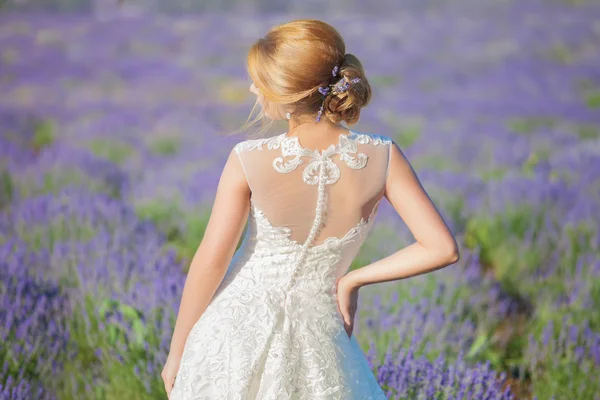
345,106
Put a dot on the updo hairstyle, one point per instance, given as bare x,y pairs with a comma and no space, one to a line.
291,62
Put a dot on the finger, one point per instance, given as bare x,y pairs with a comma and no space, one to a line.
346,317
170,388
341,311
348,325
349,329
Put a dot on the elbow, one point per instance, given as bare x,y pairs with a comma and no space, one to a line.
453,257
445,252
450,252
453,254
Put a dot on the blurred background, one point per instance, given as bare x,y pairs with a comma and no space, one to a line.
114,122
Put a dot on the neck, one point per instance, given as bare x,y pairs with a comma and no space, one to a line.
310,125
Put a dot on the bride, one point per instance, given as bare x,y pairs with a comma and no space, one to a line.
274,319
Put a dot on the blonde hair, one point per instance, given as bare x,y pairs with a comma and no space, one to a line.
291,62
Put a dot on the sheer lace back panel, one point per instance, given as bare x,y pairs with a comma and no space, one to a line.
313,195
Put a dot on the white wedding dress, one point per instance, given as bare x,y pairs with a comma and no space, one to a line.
273,330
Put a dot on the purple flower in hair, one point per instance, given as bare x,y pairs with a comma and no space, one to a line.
343,84
339,87
320,113
324,90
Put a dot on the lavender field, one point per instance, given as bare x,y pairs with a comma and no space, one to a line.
114,128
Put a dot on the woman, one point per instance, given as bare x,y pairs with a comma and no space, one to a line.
274,320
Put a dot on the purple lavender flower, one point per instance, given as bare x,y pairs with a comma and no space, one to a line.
324,90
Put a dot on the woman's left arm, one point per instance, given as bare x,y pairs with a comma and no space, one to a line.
213,256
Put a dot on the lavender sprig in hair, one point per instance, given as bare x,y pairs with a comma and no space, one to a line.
339,87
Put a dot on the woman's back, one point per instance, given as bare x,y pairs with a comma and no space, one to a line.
283,177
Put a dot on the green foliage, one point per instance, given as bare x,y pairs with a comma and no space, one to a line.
590,92
53,182
531,124
133,318
492,234
532,161
109,353
30,184
232,92
27,364
111,150
54,5
407,133
578,2
588,132
579,251
384,80
184,230
6,188
500,240
163,213
47,234
43,135
561,53
493,174
423,289
165,146
483,349
21,363
563,369
592,99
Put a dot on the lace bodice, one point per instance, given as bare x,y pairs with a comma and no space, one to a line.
315,199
